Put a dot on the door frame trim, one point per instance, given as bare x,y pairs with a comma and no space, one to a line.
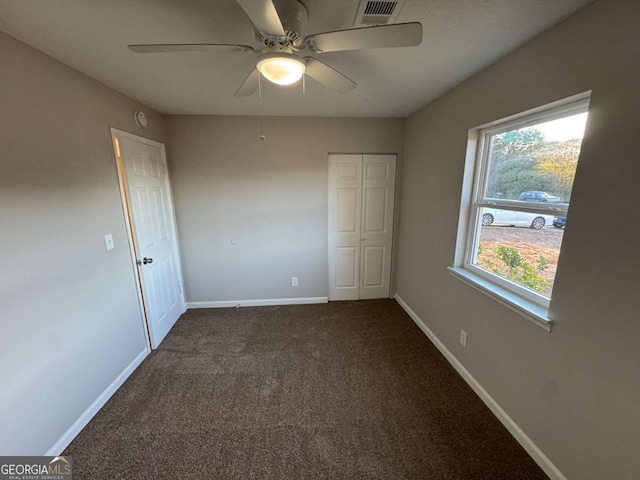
115,133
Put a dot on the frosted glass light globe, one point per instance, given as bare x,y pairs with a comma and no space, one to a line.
281,69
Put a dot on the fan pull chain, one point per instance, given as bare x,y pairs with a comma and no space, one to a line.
304,84
261,137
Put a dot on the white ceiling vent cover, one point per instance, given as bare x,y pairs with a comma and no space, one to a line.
372,12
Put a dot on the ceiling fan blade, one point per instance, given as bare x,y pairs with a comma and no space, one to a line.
263,15
328,76
249,86
384,36
188,47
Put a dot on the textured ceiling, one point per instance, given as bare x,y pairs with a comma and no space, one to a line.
461,37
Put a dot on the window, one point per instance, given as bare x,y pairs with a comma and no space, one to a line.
515,209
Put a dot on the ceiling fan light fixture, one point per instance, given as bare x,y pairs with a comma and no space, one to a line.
281,68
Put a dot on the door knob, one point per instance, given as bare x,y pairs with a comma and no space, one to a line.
146,260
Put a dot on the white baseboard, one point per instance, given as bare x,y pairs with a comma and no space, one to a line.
71,433
532,449
258,303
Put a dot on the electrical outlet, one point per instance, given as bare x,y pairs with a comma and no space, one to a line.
294,281
463,338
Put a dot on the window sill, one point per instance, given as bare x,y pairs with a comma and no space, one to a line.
529,310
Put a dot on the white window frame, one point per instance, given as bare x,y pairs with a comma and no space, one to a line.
530,304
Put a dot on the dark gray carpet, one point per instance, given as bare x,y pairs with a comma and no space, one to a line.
341,390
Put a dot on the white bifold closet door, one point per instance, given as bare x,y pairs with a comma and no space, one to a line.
361,202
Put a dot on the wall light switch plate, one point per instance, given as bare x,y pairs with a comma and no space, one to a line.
108,242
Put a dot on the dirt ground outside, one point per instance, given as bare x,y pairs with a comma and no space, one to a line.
538,248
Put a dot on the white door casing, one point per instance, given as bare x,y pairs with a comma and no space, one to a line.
361,207
155,245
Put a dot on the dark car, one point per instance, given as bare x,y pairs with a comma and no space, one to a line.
559,222
537,196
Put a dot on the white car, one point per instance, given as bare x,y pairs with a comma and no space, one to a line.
515,218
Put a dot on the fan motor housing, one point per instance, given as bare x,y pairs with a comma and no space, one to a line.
293,15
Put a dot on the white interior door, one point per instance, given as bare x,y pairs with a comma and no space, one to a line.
345,192
361,206
376,231
150,208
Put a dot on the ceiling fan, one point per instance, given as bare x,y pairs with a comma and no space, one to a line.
280,33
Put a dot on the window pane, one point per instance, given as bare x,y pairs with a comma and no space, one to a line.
521,247
537,163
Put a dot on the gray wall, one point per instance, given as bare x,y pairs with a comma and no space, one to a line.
70,316
269,195
576,391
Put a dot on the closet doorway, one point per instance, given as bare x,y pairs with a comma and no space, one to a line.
361,207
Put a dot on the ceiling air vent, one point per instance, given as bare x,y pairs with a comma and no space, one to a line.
377,13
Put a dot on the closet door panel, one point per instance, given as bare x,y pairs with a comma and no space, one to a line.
345,201
378,194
